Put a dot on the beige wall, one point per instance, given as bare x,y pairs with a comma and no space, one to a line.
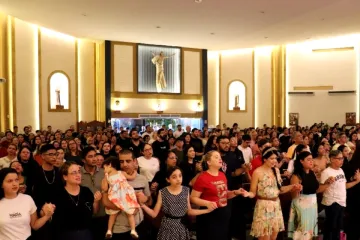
213,88
36,57
263,87
237,65
337,68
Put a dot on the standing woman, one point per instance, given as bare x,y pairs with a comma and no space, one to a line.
18,211
148,164
266,186
73,153
75,206
304,209
210,191
175,202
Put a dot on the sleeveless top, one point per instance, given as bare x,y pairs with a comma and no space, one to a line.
309,183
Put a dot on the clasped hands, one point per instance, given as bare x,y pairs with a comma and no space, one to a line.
48,209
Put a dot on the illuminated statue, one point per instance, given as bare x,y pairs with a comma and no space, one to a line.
158,61
58,102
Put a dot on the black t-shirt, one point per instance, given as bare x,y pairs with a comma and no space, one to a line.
124,143
73,212
231,162
160,150
46,186
309,183
197,144
188,172
136,149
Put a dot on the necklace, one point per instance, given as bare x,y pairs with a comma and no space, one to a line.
53,180
72,199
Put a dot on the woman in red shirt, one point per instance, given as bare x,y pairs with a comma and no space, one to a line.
257,161
210,191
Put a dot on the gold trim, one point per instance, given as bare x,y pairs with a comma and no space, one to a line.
253,88
333,49
220,79
49,95
95,74
40,74
13,69
158,96
76,83
114,114
4,88
278,86
312,88
272,88
228,96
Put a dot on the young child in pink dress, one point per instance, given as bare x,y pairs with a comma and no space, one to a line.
121,194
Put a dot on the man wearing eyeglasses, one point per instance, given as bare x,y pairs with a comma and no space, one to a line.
47,183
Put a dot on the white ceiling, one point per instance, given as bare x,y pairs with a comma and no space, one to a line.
235,23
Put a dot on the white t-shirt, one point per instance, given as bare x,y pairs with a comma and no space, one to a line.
5,162
336,192
15,217
148,167
178,133
247,153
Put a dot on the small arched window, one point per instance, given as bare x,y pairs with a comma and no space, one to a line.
236,96
59,91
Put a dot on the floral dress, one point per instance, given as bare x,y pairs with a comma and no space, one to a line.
267,215
121,194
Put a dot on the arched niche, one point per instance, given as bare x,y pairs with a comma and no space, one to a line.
59,92
237,95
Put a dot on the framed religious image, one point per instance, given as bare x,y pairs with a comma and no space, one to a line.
350,119
293,119
159,69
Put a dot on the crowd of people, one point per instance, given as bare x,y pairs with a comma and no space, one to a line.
180,183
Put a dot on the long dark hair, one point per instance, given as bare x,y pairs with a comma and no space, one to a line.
31,158
268,152
298,167
3,173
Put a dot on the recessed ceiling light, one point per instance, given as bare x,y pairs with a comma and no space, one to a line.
198,1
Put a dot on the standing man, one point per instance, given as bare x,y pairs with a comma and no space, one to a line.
233,167
197,144
179,131
136,145
161,146
121,230
91,177
47,183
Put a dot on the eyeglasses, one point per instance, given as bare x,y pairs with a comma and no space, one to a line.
75,173
52,154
